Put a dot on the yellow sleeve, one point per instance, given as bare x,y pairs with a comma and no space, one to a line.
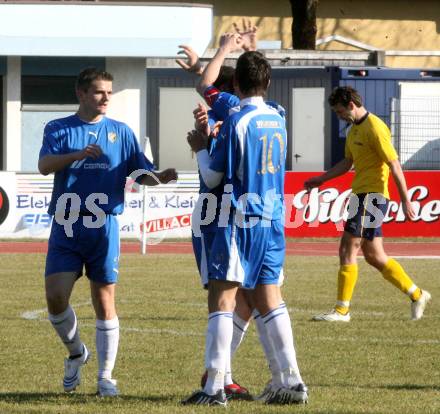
381,141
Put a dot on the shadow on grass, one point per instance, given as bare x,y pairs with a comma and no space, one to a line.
48,397
409,387
394,387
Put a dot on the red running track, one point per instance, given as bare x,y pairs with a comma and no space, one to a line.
293,248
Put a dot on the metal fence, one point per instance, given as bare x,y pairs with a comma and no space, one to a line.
415,129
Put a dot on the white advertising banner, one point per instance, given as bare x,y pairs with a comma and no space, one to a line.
25,198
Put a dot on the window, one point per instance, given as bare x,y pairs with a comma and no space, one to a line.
48,90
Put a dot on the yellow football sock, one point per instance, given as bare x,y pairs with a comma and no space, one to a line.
395,274
347,278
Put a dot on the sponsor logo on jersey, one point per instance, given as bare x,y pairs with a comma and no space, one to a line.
268,124
97,166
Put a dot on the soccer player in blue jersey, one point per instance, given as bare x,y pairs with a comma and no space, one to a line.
91,156
248,248
204,225
213,79
223,104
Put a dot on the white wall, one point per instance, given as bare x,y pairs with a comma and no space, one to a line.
128,103
175,120
12,115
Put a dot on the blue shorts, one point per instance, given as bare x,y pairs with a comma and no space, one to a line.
366,214
95,249
249,256
202,249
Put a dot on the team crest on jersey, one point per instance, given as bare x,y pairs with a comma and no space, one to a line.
112,136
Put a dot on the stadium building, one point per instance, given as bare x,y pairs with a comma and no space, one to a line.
43,46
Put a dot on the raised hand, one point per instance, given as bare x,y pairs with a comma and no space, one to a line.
192,63
231,42
201,119
248,33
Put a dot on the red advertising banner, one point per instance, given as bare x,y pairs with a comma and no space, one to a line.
320,213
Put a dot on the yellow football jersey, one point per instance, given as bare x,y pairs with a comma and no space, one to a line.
369,146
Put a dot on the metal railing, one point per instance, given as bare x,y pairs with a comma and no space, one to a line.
415,129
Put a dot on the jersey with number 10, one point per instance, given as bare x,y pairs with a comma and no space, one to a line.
251,151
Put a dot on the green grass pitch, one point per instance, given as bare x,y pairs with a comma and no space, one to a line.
381,362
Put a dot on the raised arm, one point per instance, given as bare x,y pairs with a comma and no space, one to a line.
339,169
228,43
197,141
248,33
192,63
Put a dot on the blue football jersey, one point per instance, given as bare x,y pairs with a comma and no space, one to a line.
107,174
204,189
251,151
224,104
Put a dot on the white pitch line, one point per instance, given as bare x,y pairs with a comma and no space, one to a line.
416,257
315,311
361,257
37,315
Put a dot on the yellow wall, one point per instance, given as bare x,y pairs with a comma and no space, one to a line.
384,24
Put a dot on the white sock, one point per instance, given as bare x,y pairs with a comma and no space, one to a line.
66,326
238,333
218,349
268,349
279,330
107,341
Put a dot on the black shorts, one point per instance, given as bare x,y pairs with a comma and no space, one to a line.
366,214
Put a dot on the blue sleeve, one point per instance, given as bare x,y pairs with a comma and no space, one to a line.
281,111
212,118
136,159
223,104
224,155
51,142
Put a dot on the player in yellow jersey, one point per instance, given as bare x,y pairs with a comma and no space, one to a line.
369,150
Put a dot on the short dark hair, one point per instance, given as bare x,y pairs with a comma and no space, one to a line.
88,75
252,73
344,95
225,79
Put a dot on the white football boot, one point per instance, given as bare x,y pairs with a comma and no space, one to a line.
332,316
72,370
418,306
107,388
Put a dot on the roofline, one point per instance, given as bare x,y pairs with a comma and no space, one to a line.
106,3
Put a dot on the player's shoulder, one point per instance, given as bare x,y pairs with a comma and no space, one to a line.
61,123
237,113
377,125
374,120
118,126
116,123
276,107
